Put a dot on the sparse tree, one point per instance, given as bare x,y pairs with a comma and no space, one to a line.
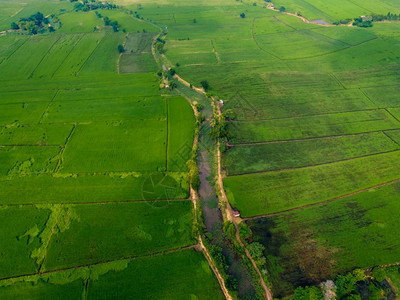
121,48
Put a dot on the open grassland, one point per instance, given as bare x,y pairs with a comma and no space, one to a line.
264,193
312,244
146,278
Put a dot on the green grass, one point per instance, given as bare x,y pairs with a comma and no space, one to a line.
20,227
114,231
264,193
67,188
312,126
313,244
117,146
181,125
160,277
277,156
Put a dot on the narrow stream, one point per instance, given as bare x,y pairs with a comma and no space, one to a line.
213,217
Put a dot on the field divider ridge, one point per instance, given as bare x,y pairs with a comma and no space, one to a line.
95,202
48,106
63,149
306,139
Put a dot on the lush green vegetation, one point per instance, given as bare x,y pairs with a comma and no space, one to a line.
157,276
311,244
320,101
290,189
90,239
180,275
83,157
277,156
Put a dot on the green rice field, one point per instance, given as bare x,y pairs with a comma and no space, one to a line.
94,191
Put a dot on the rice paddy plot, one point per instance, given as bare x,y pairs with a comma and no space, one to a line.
298,44
277,156
266,193
41,289
366,78
348,35
22,113
117,146
129,22
9,44
113,109
21,97
312,126
161,276
35,48
24,161
104,58
259,105
308,245
57,55
139,42
20,228
44,135
77,58
181,125
141,86
137,63
88,188
141,229
384,96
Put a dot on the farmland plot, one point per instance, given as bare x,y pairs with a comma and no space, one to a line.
309,245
